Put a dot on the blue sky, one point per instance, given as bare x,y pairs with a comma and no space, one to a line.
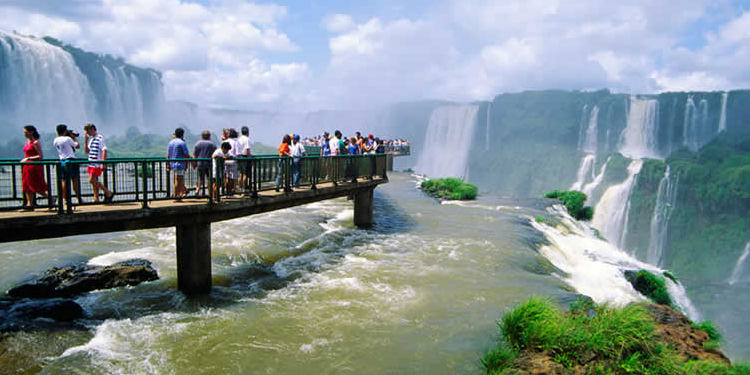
306,55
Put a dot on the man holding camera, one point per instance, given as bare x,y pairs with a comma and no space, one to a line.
96,150
65,143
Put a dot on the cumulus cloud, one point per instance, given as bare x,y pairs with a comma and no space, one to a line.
235,53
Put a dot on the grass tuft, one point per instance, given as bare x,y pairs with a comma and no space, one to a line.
573,201
450,188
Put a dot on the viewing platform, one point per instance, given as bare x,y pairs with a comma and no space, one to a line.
144,199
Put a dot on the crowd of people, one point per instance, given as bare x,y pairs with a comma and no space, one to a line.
226,168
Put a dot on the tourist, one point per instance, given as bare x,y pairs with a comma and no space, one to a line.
203,149
369,145
177,149
297,151
342,145
32,175
325,148
230,166
219,158
333,144
97,151
66,143
244,152
353,148
283,151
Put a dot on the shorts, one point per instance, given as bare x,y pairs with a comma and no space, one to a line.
244,165
178,172
94,171
70,171
203,172
231,170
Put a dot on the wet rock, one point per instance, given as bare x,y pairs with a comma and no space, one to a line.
74,280
677,330
37,314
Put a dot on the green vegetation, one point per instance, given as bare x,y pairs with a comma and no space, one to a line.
573,201
652,286
714,336
590,339
616,341
450,188
670,276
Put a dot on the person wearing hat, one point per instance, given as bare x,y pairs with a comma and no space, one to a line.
297,151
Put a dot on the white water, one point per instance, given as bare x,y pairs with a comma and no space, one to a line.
666,198
611,213
42,84
487,129
447,141
594,267
638,139
723,116
696,119
737,272
582,125
584,170
589,141
591,186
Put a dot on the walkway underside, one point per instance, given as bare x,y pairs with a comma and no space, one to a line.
20,226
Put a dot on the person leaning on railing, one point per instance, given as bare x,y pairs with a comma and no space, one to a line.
203,149
66,143
283,151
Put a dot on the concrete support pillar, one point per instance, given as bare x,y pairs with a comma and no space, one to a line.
363,208
194,258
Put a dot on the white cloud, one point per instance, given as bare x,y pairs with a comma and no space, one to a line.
338,22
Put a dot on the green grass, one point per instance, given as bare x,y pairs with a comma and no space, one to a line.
715,368
608,341
450,188
573,201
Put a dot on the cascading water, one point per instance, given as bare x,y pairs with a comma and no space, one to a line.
737,271
695,134
447,141
638,139
582,126
666,199
487,129
41,84
45,82
587,143
595,267
584,170
591,186
723,115
611,213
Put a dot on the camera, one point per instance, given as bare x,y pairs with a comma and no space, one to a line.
71,133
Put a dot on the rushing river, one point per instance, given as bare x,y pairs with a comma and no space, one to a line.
302,291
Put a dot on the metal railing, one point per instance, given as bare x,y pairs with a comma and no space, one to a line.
149,179
396,150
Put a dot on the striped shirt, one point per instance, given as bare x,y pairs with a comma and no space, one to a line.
96,149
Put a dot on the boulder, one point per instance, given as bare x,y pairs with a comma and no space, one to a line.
77,279
30,314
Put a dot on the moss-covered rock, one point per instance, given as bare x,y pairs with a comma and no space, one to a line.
450,188
574,201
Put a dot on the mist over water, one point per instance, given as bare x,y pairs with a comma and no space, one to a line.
447,141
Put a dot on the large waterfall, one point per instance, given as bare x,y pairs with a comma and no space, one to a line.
666,198
447,141
587,143
611,213
44,82
723,114
638,139
41,84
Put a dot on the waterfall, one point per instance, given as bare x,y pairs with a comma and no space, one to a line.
582,126
694,133
666,198
589,188
447,141
611,212
723,116
586,168
487,129
737,272
41,84
638,139
589,141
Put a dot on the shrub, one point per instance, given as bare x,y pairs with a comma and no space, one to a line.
573,201
450,188
652,286
710,328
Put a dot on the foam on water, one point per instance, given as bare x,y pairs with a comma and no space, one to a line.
595,267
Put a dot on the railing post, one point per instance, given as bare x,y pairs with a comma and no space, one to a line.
373,165
135,178
60,196
385,167
145,185
13,179
288,174
314,175
69,198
